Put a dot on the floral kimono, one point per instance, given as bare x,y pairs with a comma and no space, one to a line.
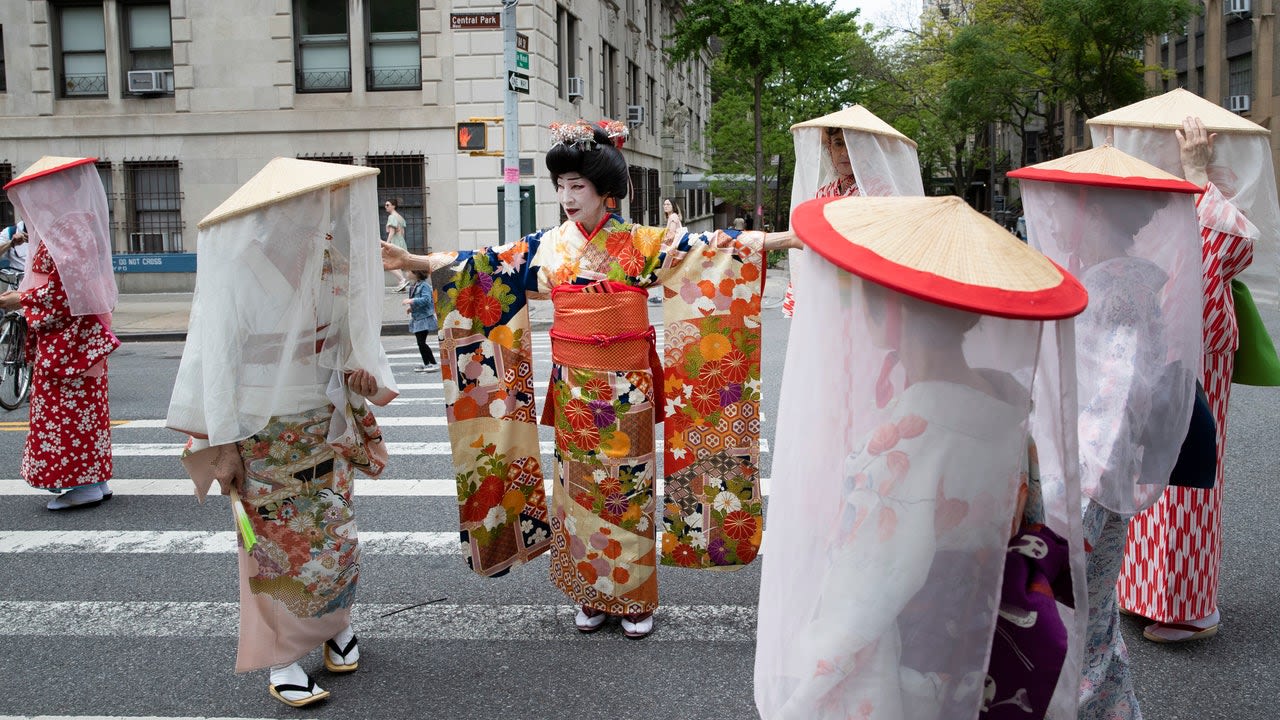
70,440
606,392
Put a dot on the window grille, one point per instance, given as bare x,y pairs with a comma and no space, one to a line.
402,177
104,173
323,46
152,200
6,207
320,157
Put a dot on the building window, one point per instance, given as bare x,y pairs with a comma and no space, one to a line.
152,202
3,85
147,40
639,186
652,112
1077,121
339,159
401,177
83,43
566,49
655,198
395,54
324,46
1240,75
609,80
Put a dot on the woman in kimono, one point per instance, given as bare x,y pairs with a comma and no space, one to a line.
848,153
281,360
607,390
1175,547
1128,231
67,296
891,514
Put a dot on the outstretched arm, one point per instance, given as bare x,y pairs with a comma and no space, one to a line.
397,258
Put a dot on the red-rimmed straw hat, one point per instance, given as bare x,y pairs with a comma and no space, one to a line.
939,250
48,165
1106,166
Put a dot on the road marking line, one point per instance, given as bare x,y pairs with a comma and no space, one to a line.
435,622
393,448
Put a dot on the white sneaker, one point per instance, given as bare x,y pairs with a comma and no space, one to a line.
421,369
431,368
83,496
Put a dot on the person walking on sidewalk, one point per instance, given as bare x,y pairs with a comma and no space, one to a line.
281,362
422,318
395,236
67,296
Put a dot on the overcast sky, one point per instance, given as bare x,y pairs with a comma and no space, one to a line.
884,13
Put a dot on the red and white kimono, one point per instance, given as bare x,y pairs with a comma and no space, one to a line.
840,187
69,444
1175,547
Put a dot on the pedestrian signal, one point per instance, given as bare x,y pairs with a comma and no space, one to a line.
472,136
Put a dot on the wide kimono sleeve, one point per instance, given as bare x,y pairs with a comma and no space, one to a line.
1228,238
713,512
63,345
487,372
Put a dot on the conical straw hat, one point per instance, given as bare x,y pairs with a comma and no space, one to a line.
939,250
48,165
855,117
281,179
1106,166
1167,112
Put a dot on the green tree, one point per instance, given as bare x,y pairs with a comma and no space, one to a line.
770,51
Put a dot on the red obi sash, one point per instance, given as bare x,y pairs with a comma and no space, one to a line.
603,326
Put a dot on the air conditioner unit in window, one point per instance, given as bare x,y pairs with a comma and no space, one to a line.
635,115
146,242
577,88
1237,7
1238,103
150,82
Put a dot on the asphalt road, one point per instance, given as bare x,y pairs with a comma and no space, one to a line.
119,613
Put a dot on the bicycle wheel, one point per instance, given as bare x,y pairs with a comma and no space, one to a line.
15,374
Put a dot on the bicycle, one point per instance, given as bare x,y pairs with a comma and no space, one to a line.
15,372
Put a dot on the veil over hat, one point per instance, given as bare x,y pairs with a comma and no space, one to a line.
903,434
1128,229
1242,166
64,205
884,163
288,297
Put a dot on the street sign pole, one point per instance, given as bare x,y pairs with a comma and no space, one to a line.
510,128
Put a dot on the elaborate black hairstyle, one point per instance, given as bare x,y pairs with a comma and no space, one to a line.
596,160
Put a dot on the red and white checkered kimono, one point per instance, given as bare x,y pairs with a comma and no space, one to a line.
840,187
1175,547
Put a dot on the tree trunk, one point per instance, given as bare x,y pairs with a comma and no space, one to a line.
758,210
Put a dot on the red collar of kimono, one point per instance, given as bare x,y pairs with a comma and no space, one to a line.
603,221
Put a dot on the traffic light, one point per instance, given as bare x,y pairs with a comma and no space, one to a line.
472,136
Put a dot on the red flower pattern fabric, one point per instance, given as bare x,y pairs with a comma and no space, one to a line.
69,444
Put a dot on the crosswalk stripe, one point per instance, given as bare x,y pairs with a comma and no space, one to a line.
436,622
202,542
365,487
383,421
393,448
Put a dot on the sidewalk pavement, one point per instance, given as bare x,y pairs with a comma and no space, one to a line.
163,317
